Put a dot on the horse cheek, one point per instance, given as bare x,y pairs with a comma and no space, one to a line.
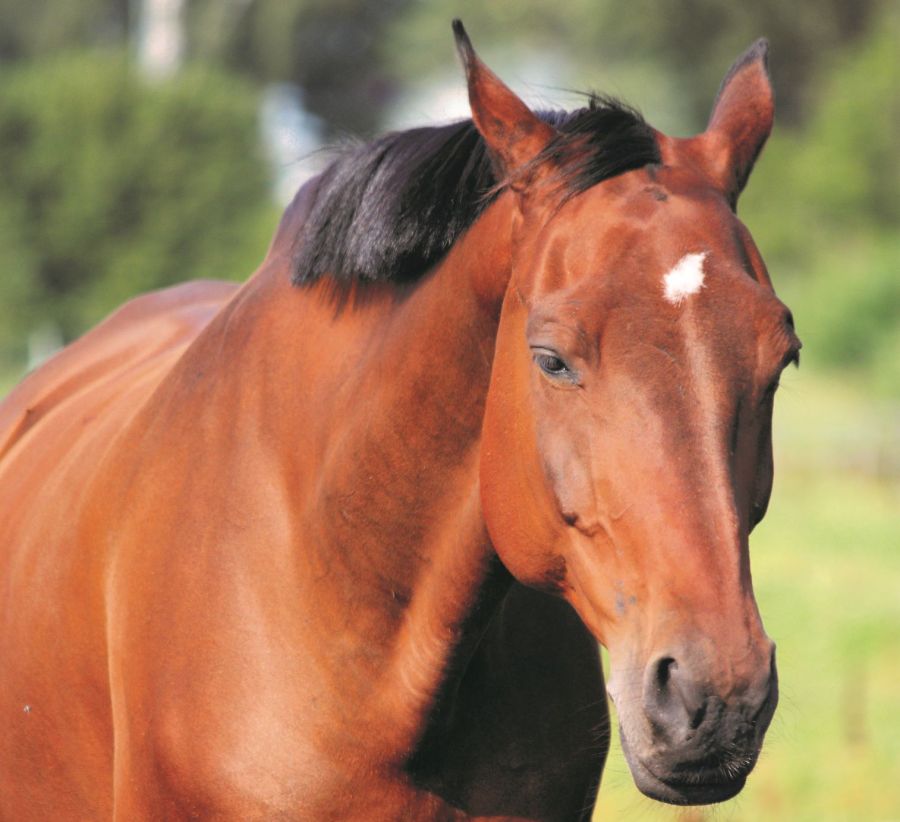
521,516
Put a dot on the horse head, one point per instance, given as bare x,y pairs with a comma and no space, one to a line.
626,451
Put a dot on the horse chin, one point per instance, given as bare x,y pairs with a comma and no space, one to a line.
681,787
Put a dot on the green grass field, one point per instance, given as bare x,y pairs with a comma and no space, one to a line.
826,568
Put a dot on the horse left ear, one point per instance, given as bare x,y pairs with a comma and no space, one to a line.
513,133
740,122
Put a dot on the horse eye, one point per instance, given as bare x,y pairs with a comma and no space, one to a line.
551,364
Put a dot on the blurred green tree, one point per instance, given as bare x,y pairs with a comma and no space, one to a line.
111,186
693,40
824,203
330,48
28,29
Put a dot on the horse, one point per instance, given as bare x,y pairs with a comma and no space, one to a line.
341,542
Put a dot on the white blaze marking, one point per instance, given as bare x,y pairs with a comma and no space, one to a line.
685,278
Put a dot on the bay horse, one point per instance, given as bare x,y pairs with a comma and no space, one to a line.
340,543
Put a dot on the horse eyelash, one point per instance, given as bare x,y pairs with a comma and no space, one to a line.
793,358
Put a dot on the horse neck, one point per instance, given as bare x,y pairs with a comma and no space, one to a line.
395,513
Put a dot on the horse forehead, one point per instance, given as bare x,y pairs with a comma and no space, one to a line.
650,210
681,293
643,244
650,245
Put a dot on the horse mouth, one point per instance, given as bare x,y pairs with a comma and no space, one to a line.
684,784
699,789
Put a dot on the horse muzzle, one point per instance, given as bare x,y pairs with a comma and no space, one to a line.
689,745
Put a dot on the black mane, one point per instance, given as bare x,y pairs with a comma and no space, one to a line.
390,209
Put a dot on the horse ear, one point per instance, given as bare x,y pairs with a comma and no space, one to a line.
513,133
741,120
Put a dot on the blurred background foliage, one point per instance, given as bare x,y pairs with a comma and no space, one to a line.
110,186
115,179
144,142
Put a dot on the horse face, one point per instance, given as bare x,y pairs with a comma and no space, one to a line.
627,439
634,382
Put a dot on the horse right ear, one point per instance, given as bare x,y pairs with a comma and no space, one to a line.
513,133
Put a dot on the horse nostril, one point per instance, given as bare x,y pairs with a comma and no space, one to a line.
698,716
664,672
676,704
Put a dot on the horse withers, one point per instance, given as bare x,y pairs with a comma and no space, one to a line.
340,543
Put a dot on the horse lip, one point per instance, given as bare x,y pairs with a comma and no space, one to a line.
675,790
